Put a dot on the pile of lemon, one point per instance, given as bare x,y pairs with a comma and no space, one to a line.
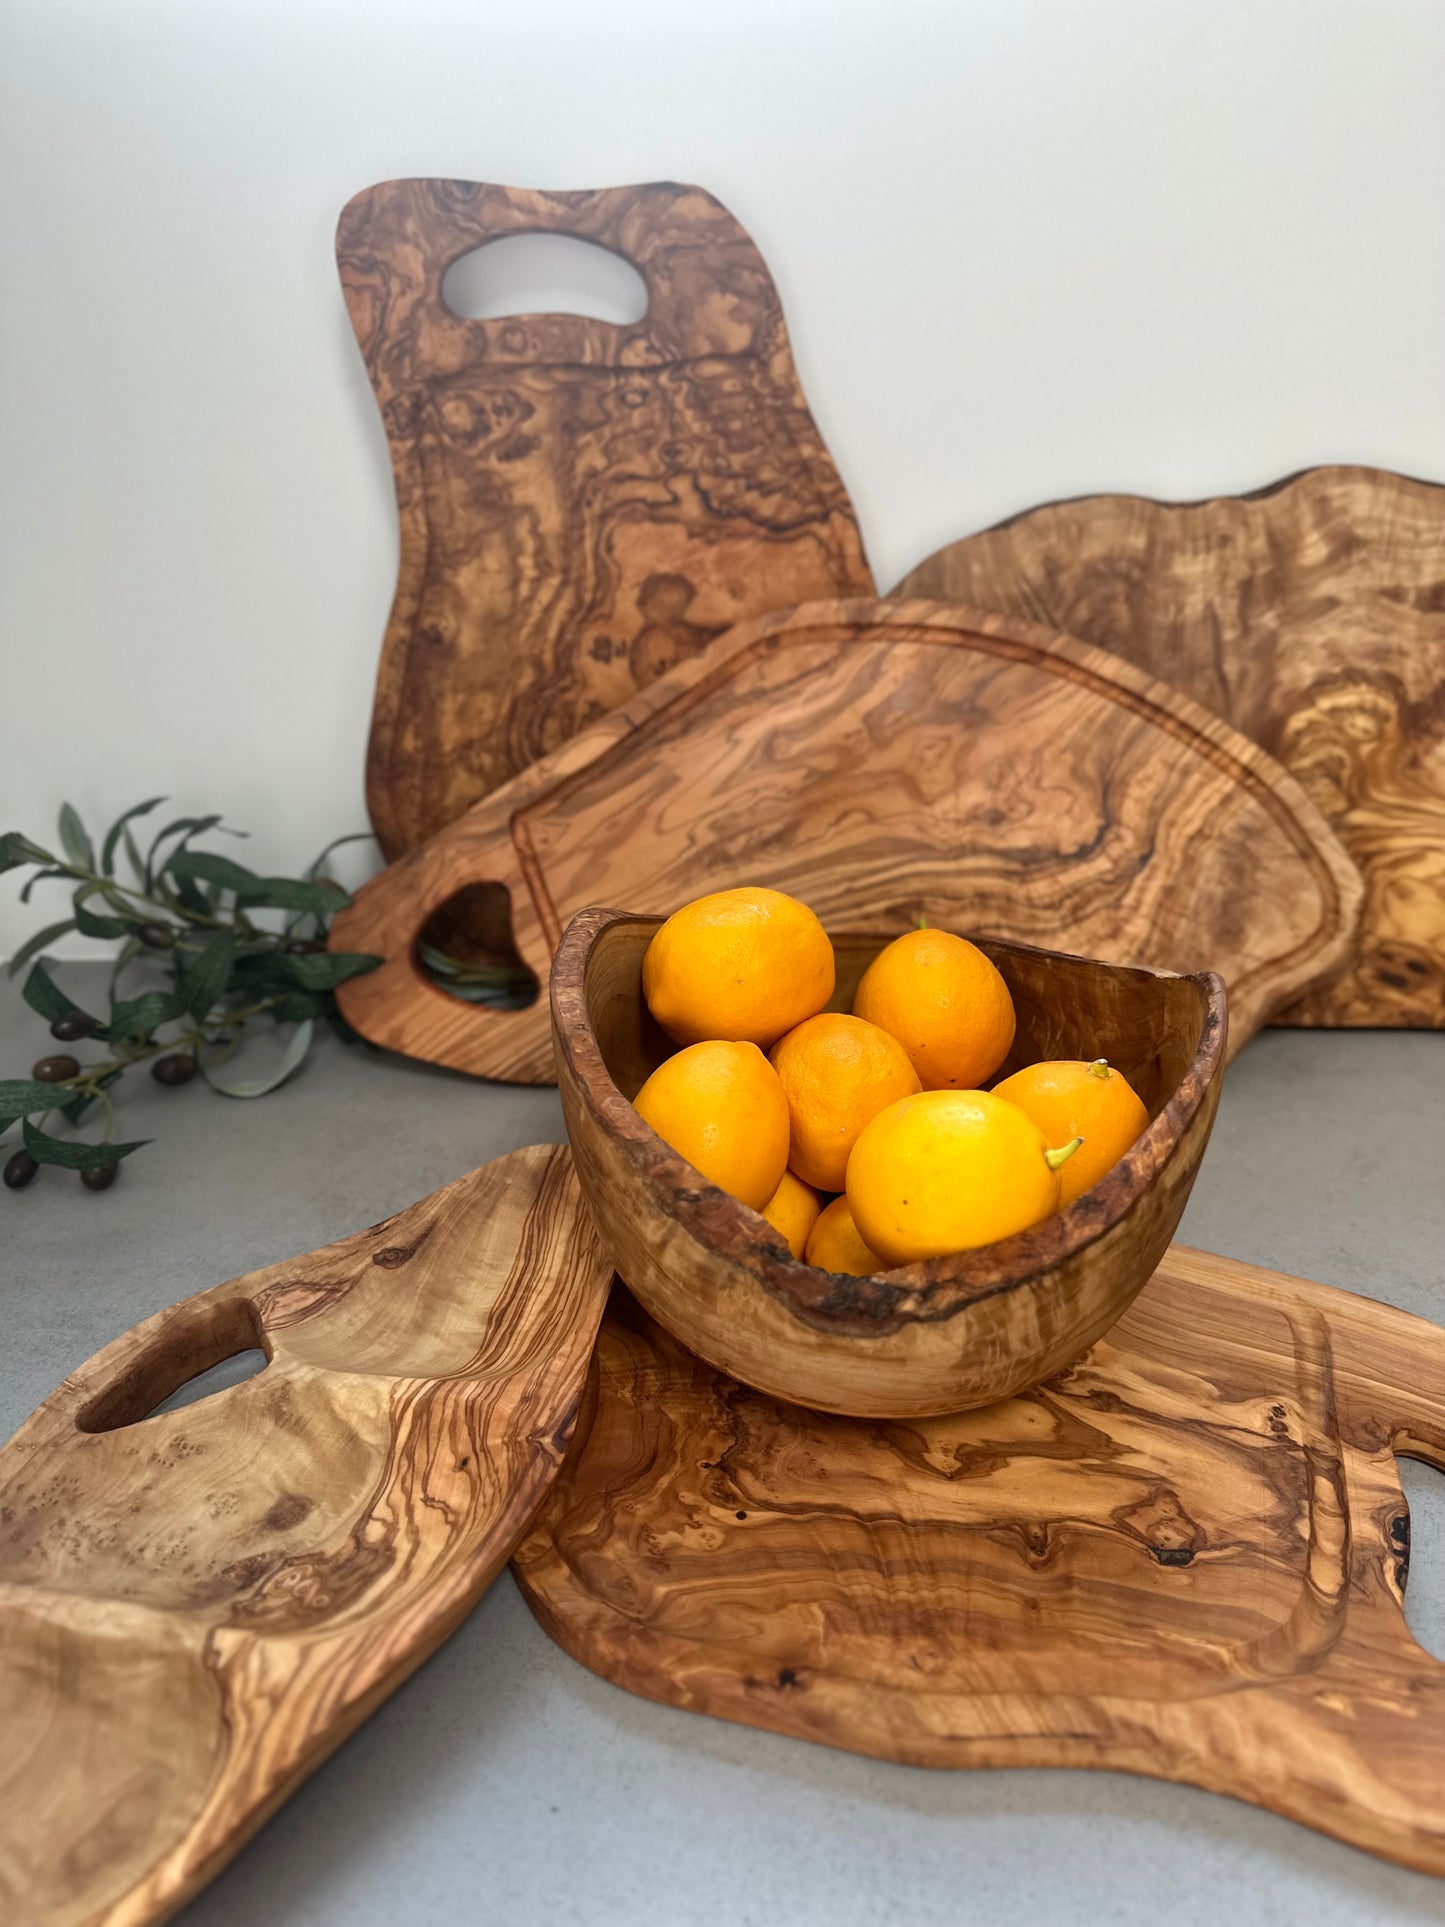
882,1110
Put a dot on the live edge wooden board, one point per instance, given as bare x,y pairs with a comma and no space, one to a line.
1311,616
581,503
1184,1557
884,761
197,1606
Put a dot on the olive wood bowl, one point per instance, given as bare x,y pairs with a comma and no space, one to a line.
941,1336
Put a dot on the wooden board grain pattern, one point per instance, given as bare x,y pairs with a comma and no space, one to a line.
196,1607
582,504
1184,1557
1311,616
885,761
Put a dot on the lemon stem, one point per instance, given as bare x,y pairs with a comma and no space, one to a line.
1065,1151
1099,1067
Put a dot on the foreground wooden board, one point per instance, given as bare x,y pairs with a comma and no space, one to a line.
1312,617
1184,1557
581,504
197,1607
884,761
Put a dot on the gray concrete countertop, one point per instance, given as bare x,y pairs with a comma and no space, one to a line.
504,1782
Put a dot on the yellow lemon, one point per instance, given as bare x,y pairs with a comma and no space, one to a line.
836,1072
836,1246
720,1106
792,1211
946,1171
744,965
946,1004
1070,1098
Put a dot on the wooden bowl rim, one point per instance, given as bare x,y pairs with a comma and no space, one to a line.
934,1289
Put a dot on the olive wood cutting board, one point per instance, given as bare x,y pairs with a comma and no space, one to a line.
1183,1557
1311,616
581,503
197,1606
884,761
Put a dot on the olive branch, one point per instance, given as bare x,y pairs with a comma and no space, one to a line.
195,914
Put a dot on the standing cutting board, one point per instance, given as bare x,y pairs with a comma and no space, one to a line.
1312,617
582,504
884,761
197,1606
1184,1557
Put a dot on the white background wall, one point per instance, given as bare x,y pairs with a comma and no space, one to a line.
1027,248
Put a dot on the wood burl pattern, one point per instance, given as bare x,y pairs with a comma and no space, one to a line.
196,1607
885,761
1312,617
581,504
1184,1557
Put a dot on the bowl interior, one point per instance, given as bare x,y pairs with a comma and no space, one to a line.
1148,1026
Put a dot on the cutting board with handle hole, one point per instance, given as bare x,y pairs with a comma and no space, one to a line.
883,761
1311,615
1184,1557
582,503
198,1604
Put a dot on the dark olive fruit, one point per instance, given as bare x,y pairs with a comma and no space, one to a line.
101,1178
178,1068
55,1070
303,947
73,1024
156,936
19,1170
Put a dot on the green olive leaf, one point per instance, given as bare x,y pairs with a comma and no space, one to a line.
313,868
138,1016
16,850
191,825
75,1157
312,970
133,856
291,1060
296,1006
118,828
91,925
320,896
205,976
42,993
73,839
210,868
44,876
21,1095
33,945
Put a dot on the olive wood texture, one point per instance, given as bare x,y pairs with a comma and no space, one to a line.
884,761
581,503
197,1606
933,1337
1311,616
1185,1557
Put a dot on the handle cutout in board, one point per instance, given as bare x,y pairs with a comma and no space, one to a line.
536,274
192,1341
1417,1540
466,947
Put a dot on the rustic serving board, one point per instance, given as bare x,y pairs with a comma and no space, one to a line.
1184,1557
581,504
884,761
197,1606
1312,617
